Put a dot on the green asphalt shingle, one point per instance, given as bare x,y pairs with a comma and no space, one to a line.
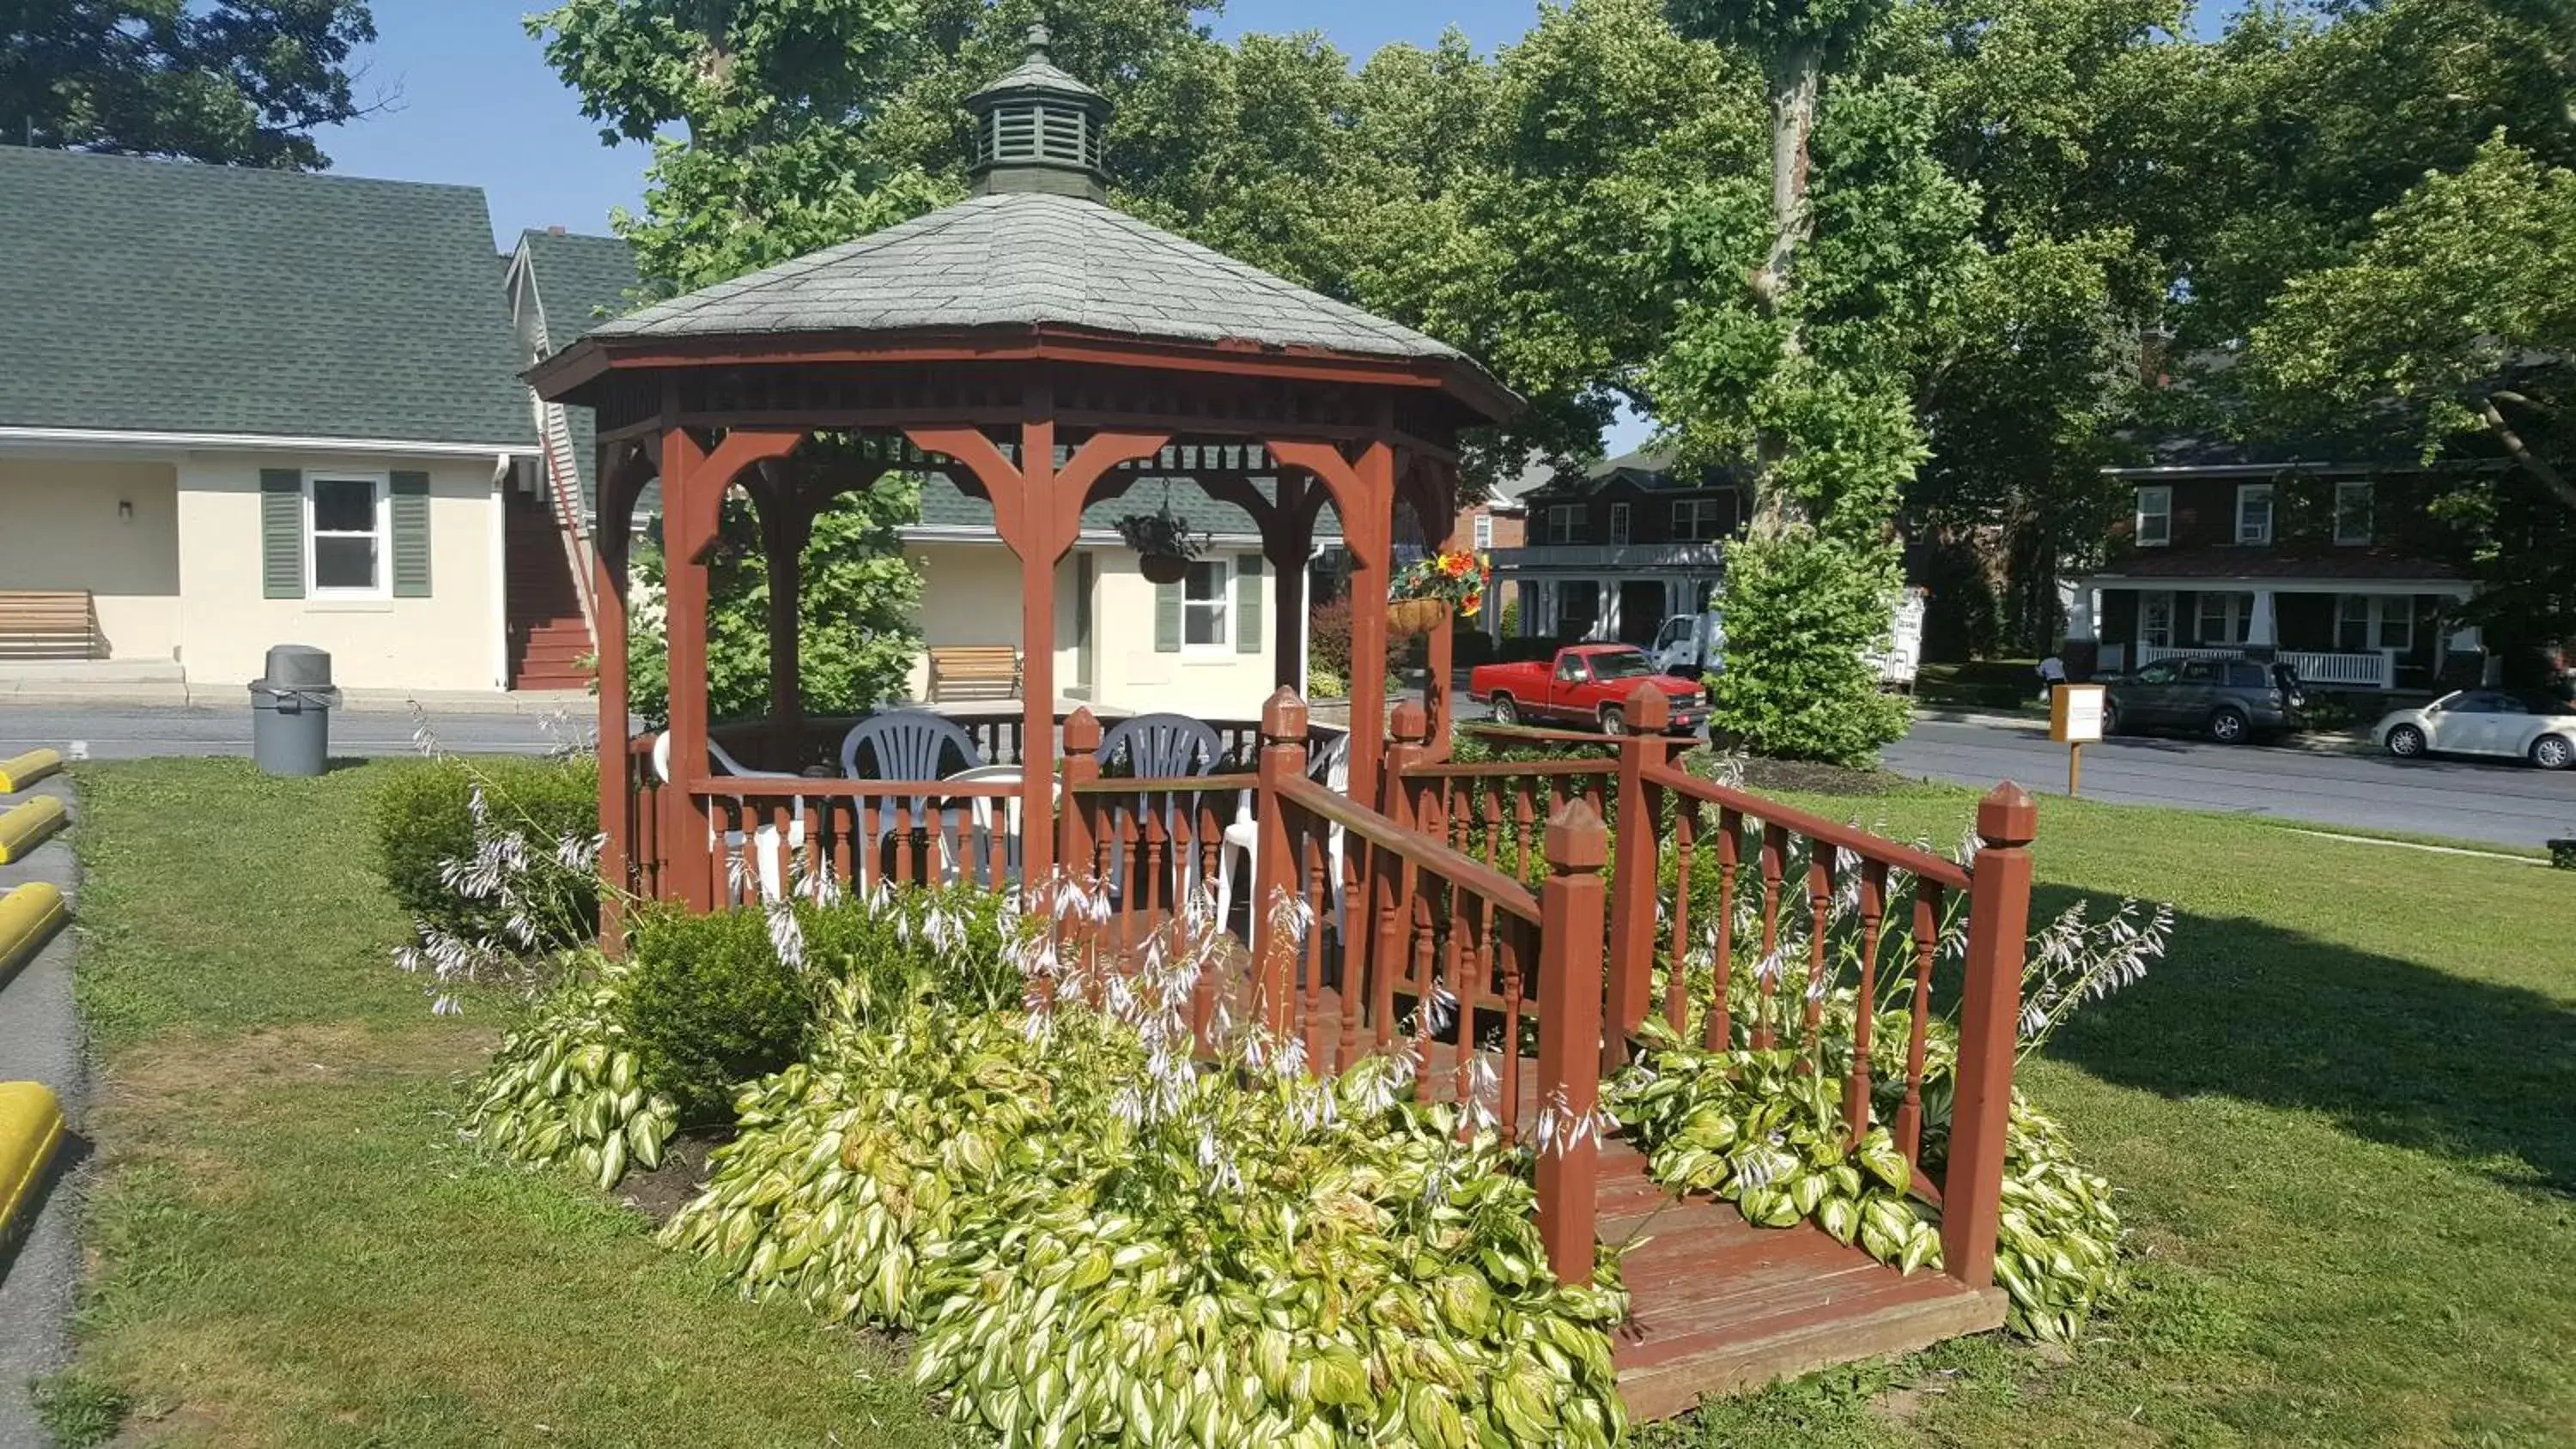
163,296
582,281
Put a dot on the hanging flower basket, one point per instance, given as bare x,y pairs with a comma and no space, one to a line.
1415,616
1163,542
1432,588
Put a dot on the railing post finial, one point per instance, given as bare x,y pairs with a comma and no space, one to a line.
2006,817
1650,711
1283,716
1410,722
1576,840
1081,732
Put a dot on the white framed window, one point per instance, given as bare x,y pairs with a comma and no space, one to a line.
1565,523
2352,516
2156,619
1696,520
2155,517
2364,622
1207,597
348,553
2224,617
1484,532
2253,513
1619,522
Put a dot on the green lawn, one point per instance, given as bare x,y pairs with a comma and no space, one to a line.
2339,1114
292,1247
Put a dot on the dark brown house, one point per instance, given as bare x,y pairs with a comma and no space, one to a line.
2335,568
1615,549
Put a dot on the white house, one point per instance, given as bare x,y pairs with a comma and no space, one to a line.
241,408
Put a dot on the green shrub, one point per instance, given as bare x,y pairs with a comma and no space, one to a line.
1322,683
711,1004
1801,612
423,818
1328,638
2562,853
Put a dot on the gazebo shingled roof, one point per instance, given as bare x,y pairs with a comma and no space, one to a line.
1030,259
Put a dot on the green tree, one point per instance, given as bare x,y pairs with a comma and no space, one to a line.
232,82
2455,319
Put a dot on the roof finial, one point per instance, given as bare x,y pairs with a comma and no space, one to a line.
1038,38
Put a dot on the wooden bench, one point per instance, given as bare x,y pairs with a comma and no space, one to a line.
974,671
47,624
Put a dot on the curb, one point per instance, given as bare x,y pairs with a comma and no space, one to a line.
31,1127
20,771
26,825
2330,744
29,917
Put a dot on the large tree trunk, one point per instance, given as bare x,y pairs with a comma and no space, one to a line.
1793,124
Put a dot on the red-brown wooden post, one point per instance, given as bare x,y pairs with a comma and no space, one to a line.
1410,748
1075,850
1636,881
1569,1037
1283,758
786,523
687,475
608,565
1989,1012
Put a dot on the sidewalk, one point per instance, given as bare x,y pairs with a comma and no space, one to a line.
109,694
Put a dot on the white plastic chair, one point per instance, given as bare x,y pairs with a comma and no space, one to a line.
979,813
770,861
1330,768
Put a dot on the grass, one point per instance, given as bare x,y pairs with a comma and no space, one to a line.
2337,1114
2338,1117
293,1248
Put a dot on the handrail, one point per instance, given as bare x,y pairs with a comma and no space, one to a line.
1815,827
827,787
1420,850
1507,769
1166,784
1539,732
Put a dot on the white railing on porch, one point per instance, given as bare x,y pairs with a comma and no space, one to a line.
2373,670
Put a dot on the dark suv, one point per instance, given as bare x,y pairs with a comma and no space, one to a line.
2232,700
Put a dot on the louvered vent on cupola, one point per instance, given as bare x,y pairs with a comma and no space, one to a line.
1038,129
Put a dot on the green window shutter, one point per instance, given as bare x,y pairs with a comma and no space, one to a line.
281,533
1167,618
1248,590
411,535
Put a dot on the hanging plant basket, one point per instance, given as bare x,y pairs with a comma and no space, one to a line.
1415,616
1163,542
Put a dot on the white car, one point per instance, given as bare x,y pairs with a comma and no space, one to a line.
2485,722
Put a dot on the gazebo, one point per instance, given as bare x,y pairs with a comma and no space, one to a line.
1044,351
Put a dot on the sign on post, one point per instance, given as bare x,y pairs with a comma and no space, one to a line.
2075,720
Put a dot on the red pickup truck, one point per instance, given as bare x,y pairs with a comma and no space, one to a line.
1586,685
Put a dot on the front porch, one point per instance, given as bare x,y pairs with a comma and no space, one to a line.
2362,634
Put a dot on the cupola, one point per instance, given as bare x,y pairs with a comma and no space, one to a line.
1039,129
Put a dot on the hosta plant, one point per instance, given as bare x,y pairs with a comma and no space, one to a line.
2057,1250
1751,1127
566,1087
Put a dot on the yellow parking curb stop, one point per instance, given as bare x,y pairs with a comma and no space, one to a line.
25,825
20,771
31,1127
29,916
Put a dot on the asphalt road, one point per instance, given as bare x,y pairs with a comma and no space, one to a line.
2500,802
40,1041
128,732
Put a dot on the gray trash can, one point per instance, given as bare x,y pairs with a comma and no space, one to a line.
290,711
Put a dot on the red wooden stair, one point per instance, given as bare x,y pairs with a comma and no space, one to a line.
550,642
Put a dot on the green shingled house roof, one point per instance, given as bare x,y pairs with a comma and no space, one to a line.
163,296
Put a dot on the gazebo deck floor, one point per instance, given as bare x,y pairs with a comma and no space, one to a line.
1717,1305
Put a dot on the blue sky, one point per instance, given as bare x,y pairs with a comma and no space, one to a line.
477,105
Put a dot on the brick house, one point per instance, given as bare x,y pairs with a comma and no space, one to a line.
1614,549
2333,567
